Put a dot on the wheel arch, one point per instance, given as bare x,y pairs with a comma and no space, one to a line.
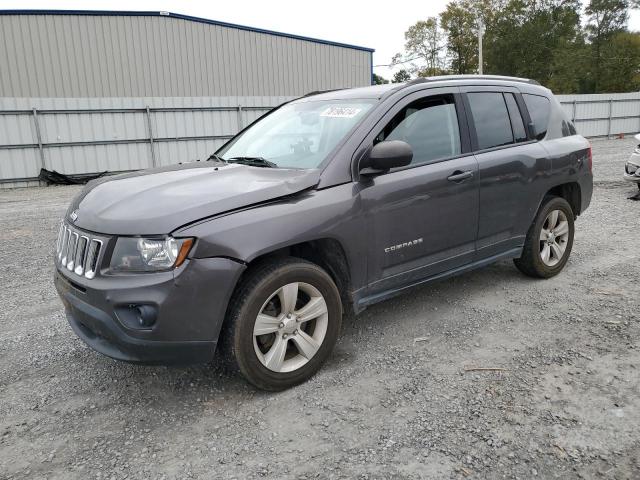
328,253
571,192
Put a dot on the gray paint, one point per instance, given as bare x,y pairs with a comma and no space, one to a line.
358,215
191,192
66,55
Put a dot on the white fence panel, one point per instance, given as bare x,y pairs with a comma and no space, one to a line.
92,135
605,114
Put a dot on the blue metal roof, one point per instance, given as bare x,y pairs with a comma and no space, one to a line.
181,17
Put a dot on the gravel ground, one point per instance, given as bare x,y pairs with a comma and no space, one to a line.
399,398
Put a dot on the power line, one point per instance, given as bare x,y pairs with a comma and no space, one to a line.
399,63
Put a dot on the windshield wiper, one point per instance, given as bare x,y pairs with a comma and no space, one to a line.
253,162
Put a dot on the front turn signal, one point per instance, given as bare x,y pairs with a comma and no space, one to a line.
184,251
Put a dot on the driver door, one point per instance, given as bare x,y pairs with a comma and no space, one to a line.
423,218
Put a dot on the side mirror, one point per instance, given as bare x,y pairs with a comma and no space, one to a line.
386,155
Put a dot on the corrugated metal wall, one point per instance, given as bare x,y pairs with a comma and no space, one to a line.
90,135
603,114
146,54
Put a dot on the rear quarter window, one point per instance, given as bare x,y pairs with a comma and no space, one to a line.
539,109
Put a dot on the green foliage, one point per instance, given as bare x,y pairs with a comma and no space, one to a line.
401,76
459,24
539,39
620,63
606,18
378,80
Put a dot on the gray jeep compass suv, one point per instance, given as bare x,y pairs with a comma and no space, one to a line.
331,202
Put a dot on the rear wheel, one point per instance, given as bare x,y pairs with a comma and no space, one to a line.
549,240
283,323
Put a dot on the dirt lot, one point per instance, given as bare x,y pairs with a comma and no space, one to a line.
398,399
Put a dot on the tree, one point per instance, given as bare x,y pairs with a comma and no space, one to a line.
523,39
569,69
606,18
378,80
401,76
424,45
620,63
460,26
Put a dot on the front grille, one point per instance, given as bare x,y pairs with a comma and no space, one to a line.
78,251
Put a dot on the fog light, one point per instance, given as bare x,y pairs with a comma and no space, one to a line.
137,316
146,315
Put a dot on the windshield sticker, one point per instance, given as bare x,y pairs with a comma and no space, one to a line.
340,112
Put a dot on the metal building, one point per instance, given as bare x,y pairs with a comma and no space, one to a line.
161,54
91,91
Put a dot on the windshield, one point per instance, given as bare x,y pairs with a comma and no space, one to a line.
298,135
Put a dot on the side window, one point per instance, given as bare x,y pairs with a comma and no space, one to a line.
517,125
490,117
429,125
539,108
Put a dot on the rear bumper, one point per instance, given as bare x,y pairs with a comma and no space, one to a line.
189,306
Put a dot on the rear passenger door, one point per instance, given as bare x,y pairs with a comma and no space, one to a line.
512,167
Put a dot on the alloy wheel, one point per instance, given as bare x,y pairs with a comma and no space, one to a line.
554,237
290,328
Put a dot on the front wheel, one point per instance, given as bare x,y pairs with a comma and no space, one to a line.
283,323
549,240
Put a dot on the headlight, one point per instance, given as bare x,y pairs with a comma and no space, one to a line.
149,254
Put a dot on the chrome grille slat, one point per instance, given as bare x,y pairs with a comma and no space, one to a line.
65,246
92,258
71,254
81,254
78,252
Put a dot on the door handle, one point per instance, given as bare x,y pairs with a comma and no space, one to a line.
459,176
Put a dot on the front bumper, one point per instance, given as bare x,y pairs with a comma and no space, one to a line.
189,304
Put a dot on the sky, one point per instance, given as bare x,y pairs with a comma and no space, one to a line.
378,25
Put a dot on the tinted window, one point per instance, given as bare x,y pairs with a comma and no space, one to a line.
491,119
430,126
517,125
539,108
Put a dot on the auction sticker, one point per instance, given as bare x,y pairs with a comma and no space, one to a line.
340,112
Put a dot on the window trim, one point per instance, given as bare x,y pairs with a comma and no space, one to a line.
524,123
463,128
472,128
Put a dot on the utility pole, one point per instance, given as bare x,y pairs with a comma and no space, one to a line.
480,33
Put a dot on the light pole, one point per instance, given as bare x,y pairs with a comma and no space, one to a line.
480,33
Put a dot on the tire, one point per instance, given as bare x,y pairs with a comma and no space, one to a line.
296,342
540,258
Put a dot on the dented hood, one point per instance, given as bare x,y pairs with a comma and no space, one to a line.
158,201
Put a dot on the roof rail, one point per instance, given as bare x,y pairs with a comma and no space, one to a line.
436,78
418,80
